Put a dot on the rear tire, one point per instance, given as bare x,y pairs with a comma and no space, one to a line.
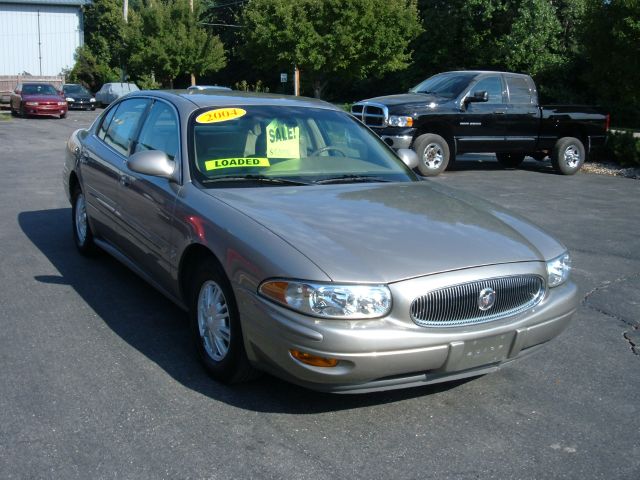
510,159
433,154
568,155
215,325
82,234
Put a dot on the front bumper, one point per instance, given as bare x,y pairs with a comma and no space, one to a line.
45,110
81,105
396,138
393,352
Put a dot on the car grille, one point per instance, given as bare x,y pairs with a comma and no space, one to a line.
371,114
458,305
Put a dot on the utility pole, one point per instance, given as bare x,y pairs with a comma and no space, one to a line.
193,77
125,15
296,81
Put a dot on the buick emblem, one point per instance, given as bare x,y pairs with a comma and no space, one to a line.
486,299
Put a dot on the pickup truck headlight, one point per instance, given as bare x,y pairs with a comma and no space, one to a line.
329,300
558,270
400,121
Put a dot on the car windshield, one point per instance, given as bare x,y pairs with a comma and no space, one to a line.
277,145
38,90
448,85
77,89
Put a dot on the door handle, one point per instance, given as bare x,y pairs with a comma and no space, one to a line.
500,112
125,181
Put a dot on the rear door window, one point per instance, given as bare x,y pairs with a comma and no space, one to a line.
519,91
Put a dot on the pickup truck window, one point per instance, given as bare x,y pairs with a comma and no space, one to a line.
519,91
491,85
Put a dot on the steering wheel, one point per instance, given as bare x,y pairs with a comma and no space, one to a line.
328,148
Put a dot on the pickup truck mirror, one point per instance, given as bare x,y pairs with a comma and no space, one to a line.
480,96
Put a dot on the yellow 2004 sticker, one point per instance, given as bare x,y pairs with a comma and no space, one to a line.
236,163
220,115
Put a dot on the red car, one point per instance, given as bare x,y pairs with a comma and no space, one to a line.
38,99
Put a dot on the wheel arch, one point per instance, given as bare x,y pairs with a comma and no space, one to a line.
442,129
193,256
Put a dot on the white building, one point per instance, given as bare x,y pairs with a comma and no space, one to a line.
39,36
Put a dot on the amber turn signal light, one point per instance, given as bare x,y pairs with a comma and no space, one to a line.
313,360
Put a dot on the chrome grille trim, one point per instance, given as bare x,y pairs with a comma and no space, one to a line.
371,114
457,305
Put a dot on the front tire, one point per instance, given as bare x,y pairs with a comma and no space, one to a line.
82,234
433,153
510,159
215,325
568,155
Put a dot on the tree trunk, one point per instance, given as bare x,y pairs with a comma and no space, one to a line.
318,88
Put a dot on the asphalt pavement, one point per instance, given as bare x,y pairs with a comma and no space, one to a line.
98,379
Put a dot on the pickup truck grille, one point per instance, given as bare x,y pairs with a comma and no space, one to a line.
371,114
459,305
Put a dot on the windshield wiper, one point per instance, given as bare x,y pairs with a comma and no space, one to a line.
254,178
351,179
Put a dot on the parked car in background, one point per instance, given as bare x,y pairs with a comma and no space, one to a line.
199,88
112,91
39,99
481,111
301,244
78,97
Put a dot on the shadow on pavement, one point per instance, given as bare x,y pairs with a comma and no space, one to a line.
153,325
474,162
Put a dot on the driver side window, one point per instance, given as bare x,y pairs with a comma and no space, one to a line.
493,86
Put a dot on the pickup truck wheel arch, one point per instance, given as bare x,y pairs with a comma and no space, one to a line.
433,153
568,155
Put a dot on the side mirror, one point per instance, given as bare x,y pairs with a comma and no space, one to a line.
152,162
481,96
408,157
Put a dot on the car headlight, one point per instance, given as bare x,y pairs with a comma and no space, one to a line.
69,99
62,103
558,270
31,104
400,121
92,99
329,300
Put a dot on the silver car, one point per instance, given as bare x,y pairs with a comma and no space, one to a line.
301,245
109,92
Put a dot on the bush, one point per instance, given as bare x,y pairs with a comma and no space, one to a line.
624,148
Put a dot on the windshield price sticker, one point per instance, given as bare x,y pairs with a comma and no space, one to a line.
236,163
220,115
283,141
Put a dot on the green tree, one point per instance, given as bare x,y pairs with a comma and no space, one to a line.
611,39
350,40
165,39
89,71
104,28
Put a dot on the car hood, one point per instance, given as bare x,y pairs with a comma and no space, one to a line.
78,96
383,233
42,98
407,99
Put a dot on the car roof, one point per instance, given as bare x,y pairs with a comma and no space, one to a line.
215,98
36,83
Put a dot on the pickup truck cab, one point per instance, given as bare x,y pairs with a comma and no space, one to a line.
482,111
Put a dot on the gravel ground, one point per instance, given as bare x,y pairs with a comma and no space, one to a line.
611,169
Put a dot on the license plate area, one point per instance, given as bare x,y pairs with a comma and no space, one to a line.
484,351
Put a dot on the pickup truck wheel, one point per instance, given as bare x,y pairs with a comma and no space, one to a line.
433,154
568,155
510,159
215,325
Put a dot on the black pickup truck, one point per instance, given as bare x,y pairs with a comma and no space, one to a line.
479,111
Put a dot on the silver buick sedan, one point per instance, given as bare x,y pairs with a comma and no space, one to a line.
301,245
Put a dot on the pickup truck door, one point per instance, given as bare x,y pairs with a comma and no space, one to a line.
523,114
481,126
